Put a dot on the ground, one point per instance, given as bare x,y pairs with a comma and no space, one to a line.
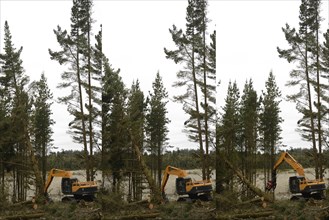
108,208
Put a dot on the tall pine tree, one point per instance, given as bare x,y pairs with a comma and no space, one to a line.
270,121
42,122
228,137
156,123
304,50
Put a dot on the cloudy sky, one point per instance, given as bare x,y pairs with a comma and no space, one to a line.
134,35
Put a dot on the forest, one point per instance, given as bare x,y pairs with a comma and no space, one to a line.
123,131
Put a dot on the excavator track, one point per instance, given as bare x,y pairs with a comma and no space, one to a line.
192,198
306,197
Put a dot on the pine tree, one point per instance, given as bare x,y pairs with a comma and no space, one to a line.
228,136
249,109
187,43
156,123
13,82
319,87
302,47
75,49
114,124
136,116
42,122
207,81
89,86
18,105
270,124
98,63
324,59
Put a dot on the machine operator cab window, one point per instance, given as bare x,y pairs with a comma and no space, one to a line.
67,185
181,185
294,183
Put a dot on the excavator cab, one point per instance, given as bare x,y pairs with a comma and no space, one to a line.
181,185
67,185
294,183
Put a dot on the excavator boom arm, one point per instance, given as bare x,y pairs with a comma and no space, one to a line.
170,170
285,156
56,173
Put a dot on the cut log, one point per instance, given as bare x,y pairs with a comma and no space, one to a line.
29,202
256,190
259,200
25,216
139,216
247,215
35,206
138,202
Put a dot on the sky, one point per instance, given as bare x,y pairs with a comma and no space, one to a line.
134,36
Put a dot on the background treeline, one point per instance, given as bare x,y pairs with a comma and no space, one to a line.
184,159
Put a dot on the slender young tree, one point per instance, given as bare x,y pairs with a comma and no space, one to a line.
270,121
324,59
114,124
99,63
42,122
156,122
136,116
228,135
249,113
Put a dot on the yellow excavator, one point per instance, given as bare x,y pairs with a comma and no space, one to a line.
71,187
185,186
299,185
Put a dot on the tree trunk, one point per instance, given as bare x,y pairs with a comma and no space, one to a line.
207,162
159,164
25,216
35,165
91,159
247,215
85,148
253,188
198,117
153,186
316,160
319,102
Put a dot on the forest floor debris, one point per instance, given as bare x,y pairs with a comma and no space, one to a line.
227,208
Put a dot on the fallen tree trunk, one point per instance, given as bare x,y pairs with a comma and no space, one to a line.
153,186
29,202
140,216
253,188
23,216
247,215
138,203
